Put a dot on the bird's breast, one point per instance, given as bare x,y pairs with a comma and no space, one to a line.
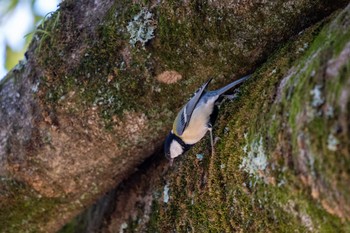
198,125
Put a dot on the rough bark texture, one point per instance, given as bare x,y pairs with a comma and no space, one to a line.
102,85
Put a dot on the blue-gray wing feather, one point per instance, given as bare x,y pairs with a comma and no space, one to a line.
185,114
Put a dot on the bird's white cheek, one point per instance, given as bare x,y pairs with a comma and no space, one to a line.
175,149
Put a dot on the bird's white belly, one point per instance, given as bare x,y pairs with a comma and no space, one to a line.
198,125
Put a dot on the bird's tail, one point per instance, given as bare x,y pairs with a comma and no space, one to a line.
231,85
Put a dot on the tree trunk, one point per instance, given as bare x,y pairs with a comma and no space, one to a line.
101,86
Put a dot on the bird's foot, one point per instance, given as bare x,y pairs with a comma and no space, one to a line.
231,97
211,141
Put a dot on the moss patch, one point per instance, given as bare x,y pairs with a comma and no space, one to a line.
24,208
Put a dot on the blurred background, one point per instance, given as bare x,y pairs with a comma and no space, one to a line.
18,19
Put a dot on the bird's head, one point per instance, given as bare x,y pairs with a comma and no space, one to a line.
174,146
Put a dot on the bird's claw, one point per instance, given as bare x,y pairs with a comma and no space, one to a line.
231,97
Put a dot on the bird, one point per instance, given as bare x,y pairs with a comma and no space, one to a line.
195,119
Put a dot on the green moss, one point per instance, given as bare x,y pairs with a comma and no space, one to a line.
73,226
312,120
154,219
218,194
112,76
24,208
179,42
215,195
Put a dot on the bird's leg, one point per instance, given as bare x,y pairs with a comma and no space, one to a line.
211,140
211,163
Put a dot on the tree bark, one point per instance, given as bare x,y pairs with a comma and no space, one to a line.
102,83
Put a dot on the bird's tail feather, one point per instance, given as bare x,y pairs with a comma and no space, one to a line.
231,85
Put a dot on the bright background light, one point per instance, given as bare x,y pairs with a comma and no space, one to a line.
18,23
42,7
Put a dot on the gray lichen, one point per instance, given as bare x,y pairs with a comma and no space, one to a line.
332,142
256,159
166,194
317,99
141,28
199,157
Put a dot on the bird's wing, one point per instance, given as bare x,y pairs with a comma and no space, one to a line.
184,116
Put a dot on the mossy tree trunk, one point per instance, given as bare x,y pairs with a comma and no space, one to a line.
281,163
102,83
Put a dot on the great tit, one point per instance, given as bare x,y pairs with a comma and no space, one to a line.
195,119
